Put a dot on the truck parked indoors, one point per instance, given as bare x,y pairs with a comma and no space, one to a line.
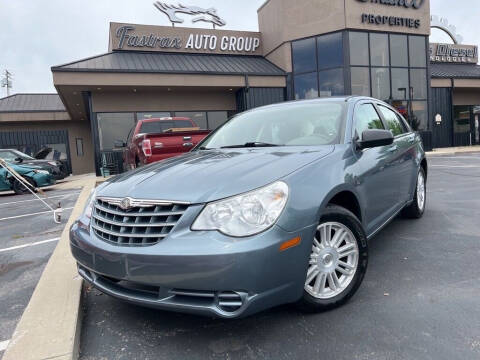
152,140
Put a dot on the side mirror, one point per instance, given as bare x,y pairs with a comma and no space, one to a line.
375,138
120,144
19,160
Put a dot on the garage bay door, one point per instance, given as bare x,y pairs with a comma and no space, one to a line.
31,142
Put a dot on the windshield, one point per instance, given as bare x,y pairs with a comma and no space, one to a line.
152,127
11,155
295,124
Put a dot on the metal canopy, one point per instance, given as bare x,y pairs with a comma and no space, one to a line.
174,63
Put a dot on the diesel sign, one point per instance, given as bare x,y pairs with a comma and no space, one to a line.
449,53
414,4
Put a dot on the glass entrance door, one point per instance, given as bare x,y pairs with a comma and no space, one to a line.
463,125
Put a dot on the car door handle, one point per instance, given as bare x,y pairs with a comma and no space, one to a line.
188,144
393,148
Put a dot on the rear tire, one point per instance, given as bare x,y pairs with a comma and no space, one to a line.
21,189
339,256
417,208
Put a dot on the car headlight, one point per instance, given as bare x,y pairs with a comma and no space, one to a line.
87,211
45,172
246,214
53,163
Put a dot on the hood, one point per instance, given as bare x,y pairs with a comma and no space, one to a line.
204,176
42,153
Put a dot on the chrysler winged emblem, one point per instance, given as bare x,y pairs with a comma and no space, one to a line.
206,15
125,204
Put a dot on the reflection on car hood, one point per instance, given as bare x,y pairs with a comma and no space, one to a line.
204,176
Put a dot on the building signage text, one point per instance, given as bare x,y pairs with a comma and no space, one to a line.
390,20
413,4
449,53
128,37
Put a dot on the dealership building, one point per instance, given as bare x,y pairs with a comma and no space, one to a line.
304,49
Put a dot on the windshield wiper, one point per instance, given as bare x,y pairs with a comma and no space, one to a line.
250,144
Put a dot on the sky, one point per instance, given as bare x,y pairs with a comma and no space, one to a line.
38,34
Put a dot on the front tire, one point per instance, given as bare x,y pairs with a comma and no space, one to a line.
21,189
416,209
338,261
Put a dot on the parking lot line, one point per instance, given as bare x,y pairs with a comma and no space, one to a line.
3,345
38,213
50,197
28,245
457,166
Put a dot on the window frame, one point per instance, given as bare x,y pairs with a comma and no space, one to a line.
354,120
77,142
406,127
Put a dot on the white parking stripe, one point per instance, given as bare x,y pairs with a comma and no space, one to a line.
33,214
50,197
3,345
457,166
28,245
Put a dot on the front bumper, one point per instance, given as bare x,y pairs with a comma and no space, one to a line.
204,273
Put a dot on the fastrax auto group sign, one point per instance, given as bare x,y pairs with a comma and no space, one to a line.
451,53
171,39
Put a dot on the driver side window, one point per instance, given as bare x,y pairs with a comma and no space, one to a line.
366,117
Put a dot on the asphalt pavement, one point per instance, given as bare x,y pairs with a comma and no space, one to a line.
28,236
420,298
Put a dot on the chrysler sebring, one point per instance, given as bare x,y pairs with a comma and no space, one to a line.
276,206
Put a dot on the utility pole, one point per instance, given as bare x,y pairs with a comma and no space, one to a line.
7,81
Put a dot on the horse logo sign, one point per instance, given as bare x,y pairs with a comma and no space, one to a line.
206,15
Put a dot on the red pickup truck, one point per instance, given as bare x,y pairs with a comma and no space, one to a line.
153,140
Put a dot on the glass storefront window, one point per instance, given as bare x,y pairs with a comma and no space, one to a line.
216,119
419,120
358,48
304,55
399,50
199,117
400,84
306,86
360,77
330,50
381,83
418,81
418,54
153,115
113,127
331,82
379,54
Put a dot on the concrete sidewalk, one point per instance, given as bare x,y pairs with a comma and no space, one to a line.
49,327
454,150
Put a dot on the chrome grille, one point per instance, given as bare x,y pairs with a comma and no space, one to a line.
131,222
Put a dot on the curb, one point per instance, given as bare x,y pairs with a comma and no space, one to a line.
435,153
50,326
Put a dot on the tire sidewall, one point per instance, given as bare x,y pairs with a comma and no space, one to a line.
20,189
345,217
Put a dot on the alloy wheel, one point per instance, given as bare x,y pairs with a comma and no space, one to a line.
333,261
421,191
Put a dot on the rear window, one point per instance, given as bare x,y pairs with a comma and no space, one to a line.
163,126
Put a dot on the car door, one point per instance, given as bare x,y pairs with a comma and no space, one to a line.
403,152
376,170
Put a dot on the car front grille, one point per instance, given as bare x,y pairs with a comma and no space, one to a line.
131,222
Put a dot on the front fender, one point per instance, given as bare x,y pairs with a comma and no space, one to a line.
312,187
